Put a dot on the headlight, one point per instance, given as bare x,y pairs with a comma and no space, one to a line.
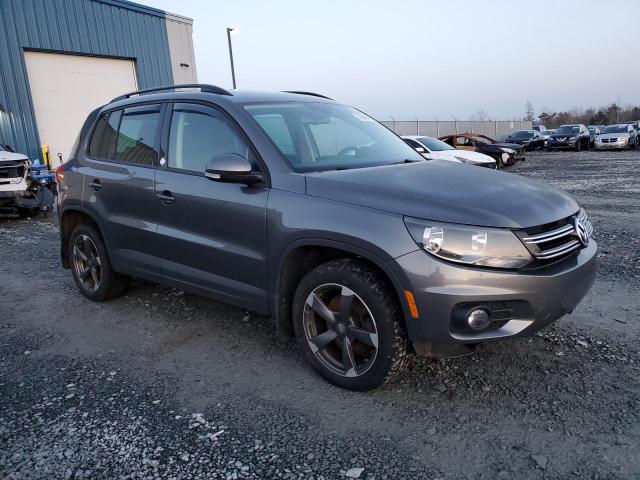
482,246
510,151
571,139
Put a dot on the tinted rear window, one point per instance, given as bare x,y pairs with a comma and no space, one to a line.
129,135
103,140
137,135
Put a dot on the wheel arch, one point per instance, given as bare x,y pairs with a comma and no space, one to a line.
301,256
71,217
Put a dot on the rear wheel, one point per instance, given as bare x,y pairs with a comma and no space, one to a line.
349,324
92,272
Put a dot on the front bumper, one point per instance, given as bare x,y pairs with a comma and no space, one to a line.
560,145
610,146
542,295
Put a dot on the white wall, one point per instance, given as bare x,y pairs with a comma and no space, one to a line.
180,34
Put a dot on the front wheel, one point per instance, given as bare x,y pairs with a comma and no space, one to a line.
349,324
577,147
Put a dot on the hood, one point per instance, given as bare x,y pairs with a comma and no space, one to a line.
11,156
440,156
518,140
613,135
446,192
564,135
472,156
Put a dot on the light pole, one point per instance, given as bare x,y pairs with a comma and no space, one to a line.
231,30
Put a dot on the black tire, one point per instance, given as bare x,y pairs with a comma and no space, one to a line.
578,145
111,283
381,309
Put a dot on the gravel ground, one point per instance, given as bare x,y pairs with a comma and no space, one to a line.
164,384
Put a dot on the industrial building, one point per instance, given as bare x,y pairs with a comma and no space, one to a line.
60,59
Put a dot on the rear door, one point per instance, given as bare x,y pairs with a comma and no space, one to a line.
119,171
211,235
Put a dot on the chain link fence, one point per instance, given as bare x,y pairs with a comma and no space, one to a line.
498,130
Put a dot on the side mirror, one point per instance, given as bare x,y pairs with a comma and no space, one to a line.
231,168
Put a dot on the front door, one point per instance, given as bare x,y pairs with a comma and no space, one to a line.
211,235
465,143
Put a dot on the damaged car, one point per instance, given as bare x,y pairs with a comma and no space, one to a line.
503,153
20,193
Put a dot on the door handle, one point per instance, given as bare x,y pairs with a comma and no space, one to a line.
165,197
96,185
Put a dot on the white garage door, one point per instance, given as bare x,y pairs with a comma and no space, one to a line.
65,88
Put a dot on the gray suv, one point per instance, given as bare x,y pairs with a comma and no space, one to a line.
295,206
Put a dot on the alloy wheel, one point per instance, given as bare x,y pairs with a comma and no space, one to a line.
86,263
340,330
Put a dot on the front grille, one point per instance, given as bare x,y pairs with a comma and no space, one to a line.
609,140
557,240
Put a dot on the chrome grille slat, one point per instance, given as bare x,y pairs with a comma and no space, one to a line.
546,236
558,251
559,241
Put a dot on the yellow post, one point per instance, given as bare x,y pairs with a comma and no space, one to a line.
45,156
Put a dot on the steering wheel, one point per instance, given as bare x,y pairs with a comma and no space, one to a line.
350,148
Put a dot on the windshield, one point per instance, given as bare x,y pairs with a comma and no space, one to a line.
434,144
522,134
615,129
567,129
327,136
546,132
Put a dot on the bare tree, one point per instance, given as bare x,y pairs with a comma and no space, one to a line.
479,116
529,112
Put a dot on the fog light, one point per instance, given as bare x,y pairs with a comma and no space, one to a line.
478,319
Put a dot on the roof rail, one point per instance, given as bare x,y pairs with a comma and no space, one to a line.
202,86
307,93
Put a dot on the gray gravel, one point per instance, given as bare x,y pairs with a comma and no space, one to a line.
164,384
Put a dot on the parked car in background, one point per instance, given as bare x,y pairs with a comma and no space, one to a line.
636,126
529,139
539,128
575,136
615,137
20,193
313,213
594,131
503,153
545,135
434,149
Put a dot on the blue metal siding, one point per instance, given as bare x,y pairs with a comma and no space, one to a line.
110,28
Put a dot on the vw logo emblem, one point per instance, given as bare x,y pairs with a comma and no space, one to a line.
580,231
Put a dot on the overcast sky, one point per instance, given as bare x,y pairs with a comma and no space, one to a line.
424,58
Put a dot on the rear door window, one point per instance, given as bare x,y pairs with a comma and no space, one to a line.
138,135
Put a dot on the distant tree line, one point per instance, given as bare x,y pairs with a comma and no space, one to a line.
606,115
